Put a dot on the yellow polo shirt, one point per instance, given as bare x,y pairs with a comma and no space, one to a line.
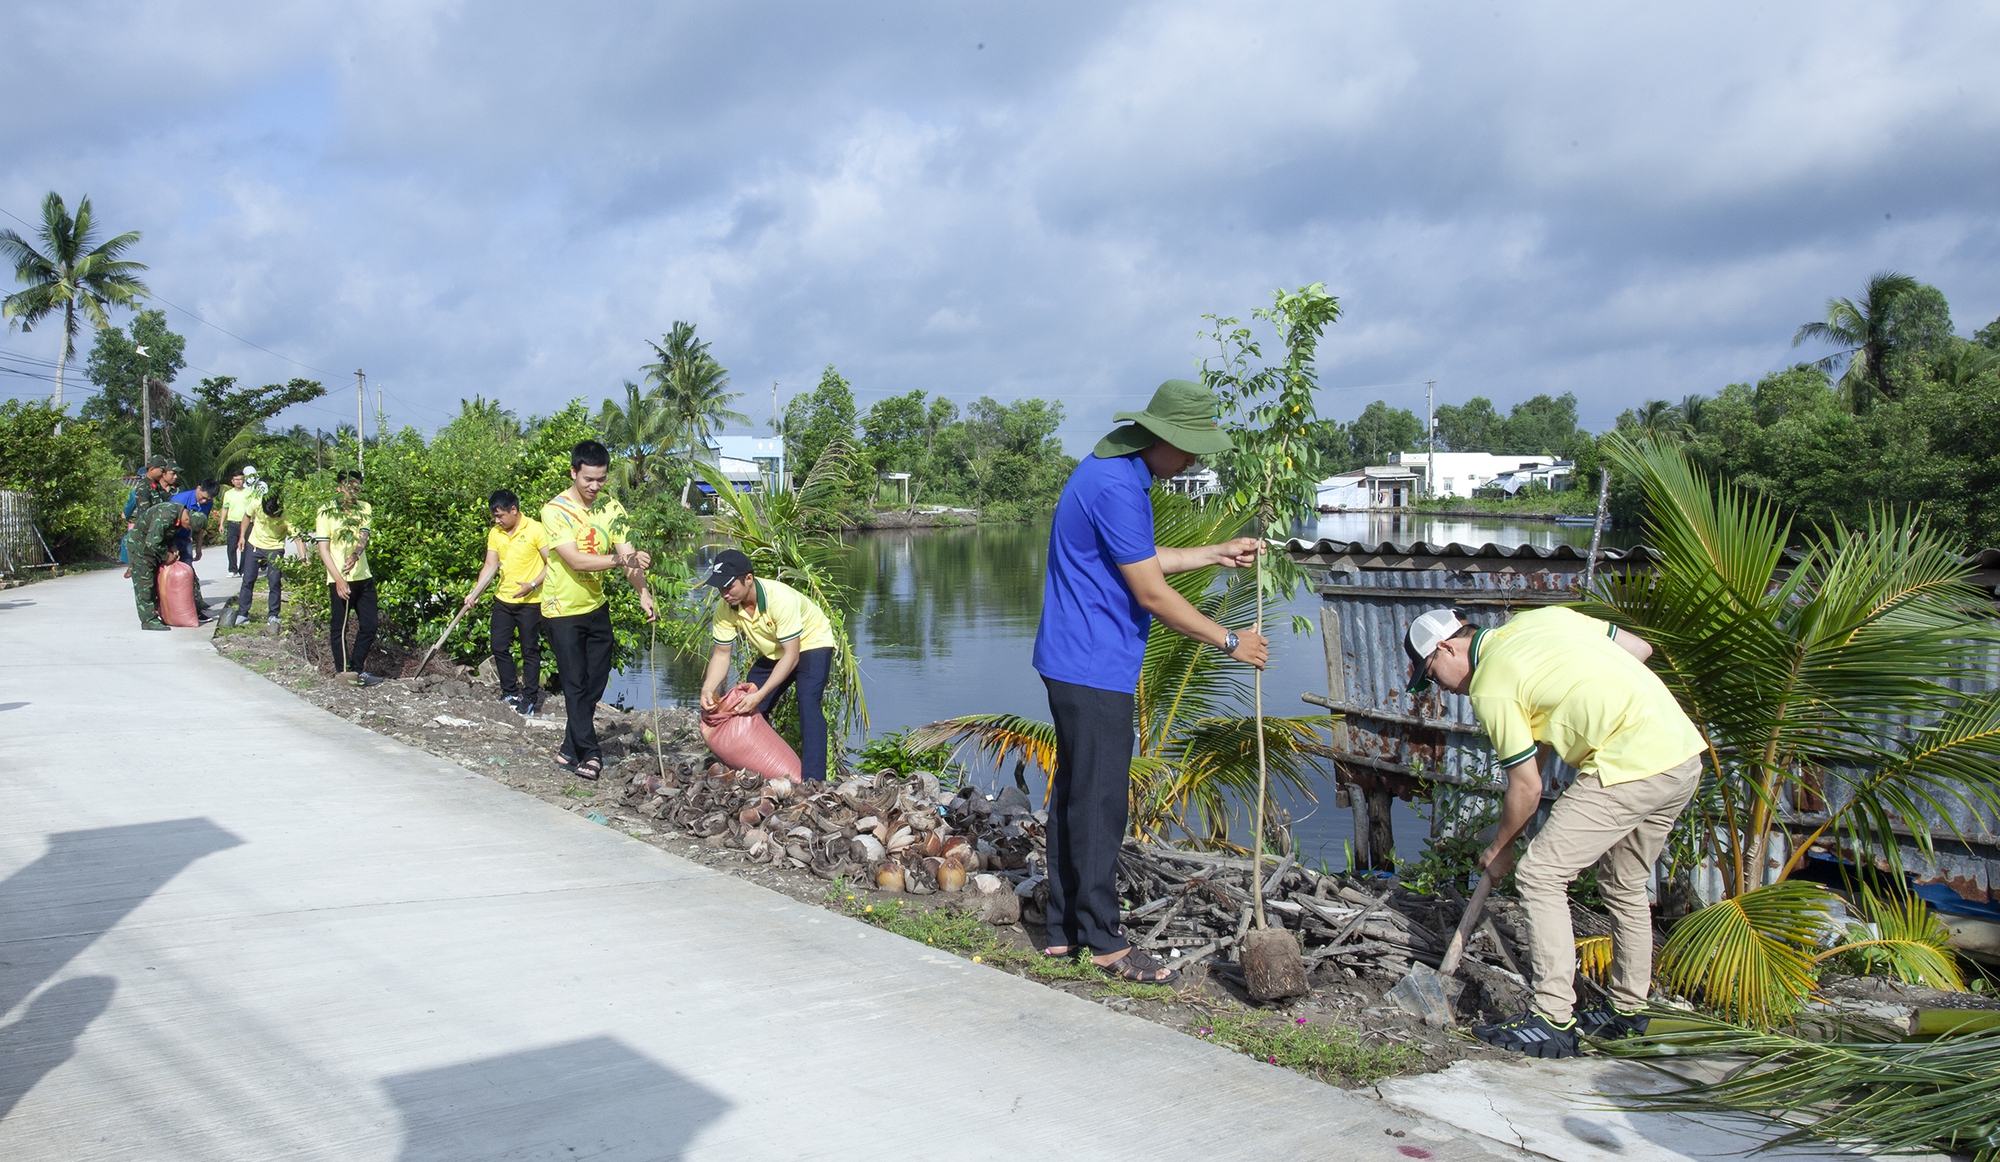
597,529
340,528
268,532
239,503
779,614
520,554
1553,675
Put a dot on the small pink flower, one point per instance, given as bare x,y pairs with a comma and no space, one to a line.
1274,1061
1302,1020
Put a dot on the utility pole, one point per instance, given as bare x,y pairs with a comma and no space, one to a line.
145,416
381,419
1431,436
774,407
360,402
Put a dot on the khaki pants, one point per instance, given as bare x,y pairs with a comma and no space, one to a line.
1621,829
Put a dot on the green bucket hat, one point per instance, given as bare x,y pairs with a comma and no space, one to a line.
1182,413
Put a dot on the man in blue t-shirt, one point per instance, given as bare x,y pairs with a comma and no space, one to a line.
201,499
1106,582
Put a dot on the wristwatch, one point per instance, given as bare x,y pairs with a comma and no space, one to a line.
1229,643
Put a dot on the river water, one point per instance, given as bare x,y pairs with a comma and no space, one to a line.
945,624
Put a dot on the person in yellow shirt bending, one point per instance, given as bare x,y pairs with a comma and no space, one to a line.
794,643
263,550
588,536
518,550
1581,686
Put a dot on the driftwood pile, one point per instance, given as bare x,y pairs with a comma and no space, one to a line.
906,834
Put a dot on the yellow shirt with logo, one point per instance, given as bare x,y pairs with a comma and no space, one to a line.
597,529
269,532
1555,676
520,554
238,503
779,614
340,528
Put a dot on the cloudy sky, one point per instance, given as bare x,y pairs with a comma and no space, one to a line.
1022,199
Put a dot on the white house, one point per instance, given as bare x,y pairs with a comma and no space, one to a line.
1462,473
1383,486
766,452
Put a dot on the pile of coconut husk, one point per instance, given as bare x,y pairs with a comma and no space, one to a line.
898,833
906,834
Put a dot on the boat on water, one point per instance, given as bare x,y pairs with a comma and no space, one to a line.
1584,521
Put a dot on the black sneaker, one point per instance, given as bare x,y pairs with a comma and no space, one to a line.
365,679
1531,1034
1606,1023
512,700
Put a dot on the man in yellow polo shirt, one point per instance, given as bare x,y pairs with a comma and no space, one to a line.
518,551
239,506
265,535
342,530
588,537
1553,676
794,644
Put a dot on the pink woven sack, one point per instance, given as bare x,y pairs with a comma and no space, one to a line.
176,589
746,741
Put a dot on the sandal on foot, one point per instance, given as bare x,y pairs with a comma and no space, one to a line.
589,769
1067,952
1139,968
563,761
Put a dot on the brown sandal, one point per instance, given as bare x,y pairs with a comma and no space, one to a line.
1139,968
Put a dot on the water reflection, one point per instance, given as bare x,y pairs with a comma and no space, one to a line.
944,624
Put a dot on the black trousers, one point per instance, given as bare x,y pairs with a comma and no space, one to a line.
361,599
231,529
1088,810
524,619
256,560
583,646
809,676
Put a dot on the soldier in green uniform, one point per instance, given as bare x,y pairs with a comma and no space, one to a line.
153,547
157,486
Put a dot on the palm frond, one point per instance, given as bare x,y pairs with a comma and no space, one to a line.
1889,1097
1751,956
1003,736
1909,943
1593,958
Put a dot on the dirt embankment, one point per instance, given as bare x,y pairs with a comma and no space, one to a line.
1344,1031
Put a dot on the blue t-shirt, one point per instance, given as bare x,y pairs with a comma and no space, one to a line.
1093,630
182,537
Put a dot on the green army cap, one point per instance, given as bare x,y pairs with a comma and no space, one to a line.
197,521
1182,413
163,461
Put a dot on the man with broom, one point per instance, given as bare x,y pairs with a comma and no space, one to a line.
1106,582
1580,685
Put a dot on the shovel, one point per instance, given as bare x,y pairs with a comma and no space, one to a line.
1421,991
1272,967
419,669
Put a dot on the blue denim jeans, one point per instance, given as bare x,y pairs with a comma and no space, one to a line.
809,677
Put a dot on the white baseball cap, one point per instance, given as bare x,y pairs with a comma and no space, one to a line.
1427,632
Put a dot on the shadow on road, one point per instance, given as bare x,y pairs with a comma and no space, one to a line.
578,1099
85,882
46,1034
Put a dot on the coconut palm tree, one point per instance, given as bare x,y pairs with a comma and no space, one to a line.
638,431
69,275
1197,753
1828,674
1861,331
689,381
1657,417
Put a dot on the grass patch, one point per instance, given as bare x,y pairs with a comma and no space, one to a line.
1334,1054
963,934
576,792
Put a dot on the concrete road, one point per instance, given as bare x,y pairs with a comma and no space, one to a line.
235,926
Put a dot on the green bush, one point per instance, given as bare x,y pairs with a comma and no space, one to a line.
65,465
431,520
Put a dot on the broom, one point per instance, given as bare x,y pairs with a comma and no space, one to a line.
1272,967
